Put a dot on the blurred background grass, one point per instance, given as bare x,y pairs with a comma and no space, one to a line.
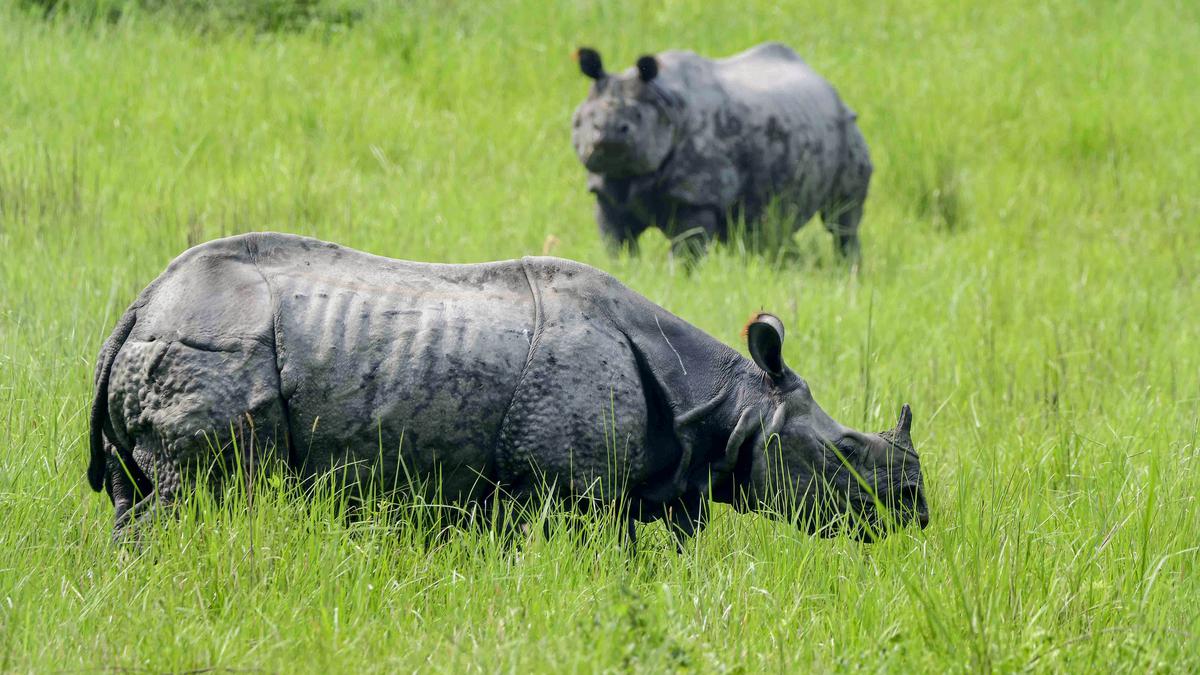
1030,285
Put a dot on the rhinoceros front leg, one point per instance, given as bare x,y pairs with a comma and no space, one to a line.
692,229
687,517
581,525
618,228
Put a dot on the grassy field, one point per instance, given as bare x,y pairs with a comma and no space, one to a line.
1031,285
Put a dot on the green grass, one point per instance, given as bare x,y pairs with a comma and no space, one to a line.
1031,285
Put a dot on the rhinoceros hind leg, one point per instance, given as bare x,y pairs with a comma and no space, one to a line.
124,483
195,413
844,211
842,223
132,520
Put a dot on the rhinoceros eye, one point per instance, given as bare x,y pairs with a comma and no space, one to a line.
847,448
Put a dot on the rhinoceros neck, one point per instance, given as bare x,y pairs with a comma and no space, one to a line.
741,386
716,428
694,370
624,190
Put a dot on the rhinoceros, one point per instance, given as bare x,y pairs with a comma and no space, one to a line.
489,381
689,144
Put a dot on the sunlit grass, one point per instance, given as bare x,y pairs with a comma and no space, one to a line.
1030,285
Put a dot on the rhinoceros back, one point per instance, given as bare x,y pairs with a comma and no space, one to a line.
780,124
775,80
415,362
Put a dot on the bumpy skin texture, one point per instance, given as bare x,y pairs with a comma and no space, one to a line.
704,140
475,380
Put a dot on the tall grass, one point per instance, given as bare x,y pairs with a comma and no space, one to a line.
1030,285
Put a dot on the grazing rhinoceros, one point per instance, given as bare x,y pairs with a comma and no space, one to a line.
485,380
686,144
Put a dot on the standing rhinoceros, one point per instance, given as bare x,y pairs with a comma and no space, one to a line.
686,144
489,379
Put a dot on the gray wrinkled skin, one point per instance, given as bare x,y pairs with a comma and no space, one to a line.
477,380
706,140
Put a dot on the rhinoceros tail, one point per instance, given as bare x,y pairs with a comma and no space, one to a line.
108,353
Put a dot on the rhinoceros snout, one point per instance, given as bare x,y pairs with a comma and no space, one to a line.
913,506
609,155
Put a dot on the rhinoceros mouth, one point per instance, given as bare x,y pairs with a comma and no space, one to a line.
912,506
872,523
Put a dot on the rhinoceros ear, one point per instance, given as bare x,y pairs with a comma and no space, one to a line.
764,338
647,68
589,62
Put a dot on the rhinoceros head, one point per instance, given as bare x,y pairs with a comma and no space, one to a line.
625,127
804,463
